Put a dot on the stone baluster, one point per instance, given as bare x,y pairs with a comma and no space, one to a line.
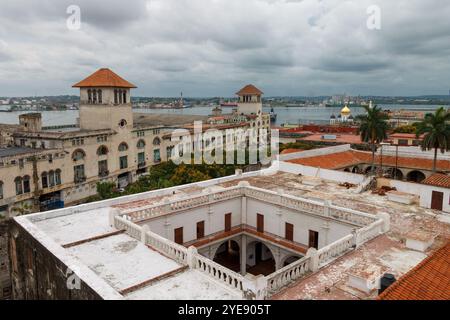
313,259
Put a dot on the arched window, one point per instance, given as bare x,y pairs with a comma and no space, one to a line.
124,96
122,123
116,101
94,96
123,147
89,96
156,141
120,96
102,151
1,189
26,184
100,96
44,179
51,178
18,183
140,144
58,177
78,155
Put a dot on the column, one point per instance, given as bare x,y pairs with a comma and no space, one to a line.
244,210
244,255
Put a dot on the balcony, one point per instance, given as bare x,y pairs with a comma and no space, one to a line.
80,179
142,164
103,173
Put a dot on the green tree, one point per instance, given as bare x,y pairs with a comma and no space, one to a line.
373,128
106,190
406,129
436,130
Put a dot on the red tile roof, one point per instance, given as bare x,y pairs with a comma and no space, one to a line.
249,90
438,180
429,280
340,138
406,136
349,158
104,78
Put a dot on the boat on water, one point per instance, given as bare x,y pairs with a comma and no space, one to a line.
228,105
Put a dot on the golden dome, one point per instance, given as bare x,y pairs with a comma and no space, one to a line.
345,110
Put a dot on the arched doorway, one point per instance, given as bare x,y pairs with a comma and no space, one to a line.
290,259
415,176
260,259
229,255
395,174
369,170
356,169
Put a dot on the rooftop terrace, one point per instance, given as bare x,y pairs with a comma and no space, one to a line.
136,263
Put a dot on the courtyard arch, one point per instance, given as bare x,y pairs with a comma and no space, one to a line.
415,176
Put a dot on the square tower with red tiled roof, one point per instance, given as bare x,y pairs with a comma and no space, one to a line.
250,100
105,101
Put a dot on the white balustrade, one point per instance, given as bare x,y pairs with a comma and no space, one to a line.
222,274
167,247
287,275
132,229
371,231
152,211
352,216
335,249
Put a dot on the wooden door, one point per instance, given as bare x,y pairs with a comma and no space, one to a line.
289,231
437,199
313,239
227,222
260,223
179,235
200,229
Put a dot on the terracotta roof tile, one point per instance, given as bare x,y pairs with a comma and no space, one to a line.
249,90
350,158
429,280
104,78
438,180
291,150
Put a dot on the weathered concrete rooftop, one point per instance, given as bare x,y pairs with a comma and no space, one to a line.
84,232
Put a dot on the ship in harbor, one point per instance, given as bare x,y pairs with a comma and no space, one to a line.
228,104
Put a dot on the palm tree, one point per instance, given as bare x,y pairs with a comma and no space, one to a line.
373,128
436,129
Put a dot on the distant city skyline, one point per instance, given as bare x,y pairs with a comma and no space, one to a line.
210,49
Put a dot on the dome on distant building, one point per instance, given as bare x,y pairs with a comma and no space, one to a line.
345,110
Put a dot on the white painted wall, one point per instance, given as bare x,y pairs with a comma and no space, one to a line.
332,175
314,152
214,221
302,223
422,190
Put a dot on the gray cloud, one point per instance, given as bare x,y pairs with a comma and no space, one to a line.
212,47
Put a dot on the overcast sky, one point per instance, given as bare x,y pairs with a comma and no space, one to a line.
214,47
